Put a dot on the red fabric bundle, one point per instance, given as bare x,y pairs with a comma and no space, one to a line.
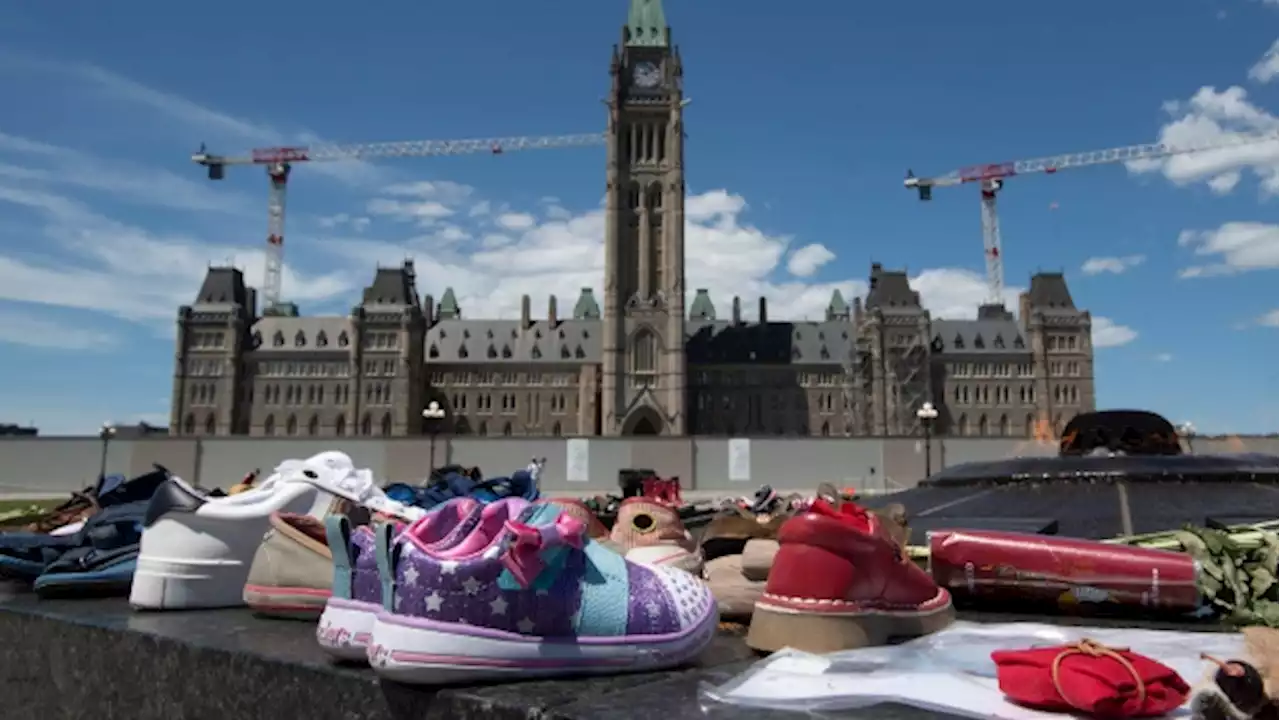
1089,678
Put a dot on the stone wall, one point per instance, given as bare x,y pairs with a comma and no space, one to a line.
55,466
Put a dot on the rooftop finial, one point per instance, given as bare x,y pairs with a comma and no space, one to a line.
646,24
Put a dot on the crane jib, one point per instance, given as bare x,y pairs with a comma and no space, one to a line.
267,156
992,171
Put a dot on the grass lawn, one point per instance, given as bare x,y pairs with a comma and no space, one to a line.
23,504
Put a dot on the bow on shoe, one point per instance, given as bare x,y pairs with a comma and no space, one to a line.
524,554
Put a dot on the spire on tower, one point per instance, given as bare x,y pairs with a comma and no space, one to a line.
646,25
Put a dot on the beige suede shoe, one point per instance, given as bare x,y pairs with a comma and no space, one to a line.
292,571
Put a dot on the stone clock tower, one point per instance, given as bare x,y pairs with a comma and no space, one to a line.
643,374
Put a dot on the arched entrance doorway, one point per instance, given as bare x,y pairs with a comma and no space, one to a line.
644,421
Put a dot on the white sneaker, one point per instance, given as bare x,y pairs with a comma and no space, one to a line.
196,551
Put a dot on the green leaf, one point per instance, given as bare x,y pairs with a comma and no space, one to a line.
1260,581
1191,542
1210,587
1211,567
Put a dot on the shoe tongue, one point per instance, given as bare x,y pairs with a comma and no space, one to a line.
108,483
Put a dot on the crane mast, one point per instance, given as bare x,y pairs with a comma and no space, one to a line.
279,161
990,178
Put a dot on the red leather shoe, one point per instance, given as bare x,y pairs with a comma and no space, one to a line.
840,581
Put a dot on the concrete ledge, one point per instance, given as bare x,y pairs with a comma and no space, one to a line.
98,659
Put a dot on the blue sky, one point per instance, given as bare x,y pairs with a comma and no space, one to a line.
803,121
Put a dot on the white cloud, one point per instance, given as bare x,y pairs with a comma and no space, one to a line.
1268,319
1268,66
956,293
1108,333
561,255
1211,116
515,221
27,163
728,256
806,261
94,263
1113,265
1164,357
1236,246
358,223
23,328
195,118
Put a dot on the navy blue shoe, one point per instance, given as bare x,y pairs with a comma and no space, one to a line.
104,563
26,555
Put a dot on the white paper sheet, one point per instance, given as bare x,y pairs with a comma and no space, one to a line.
739,460
577,465
950,671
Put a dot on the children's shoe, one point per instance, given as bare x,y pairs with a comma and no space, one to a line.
532,596
292,570
651,533
356,591
840,581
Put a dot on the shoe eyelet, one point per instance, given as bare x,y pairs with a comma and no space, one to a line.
644,523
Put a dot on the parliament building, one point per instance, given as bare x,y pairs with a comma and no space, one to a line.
645,357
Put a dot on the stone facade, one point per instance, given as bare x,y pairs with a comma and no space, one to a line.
644,364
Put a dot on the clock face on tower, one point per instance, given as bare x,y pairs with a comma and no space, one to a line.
646,74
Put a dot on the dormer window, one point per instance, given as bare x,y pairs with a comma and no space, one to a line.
1017,343
257,339
579,353
977,342
433,352
823,353
343,340
564,352
322,340
462,351
535,353
492,352
506,352
299,339
959,342
277,340
999,342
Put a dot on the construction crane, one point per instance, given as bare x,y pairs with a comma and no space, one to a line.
279,161
990,179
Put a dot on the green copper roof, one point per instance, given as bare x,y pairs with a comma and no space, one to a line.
646,24
448,305
702,309
586,308
837,307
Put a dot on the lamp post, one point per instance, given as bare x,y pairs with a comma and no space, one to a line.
927,414
105,434
433,414
1188,431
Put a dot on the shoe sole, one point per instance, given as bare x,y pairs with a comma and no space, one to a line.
170,584
285,602
345,628
775,626
115,580
423,652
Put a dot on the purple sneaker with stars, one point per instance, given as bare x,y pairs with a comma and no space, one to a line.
531,596
347,621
